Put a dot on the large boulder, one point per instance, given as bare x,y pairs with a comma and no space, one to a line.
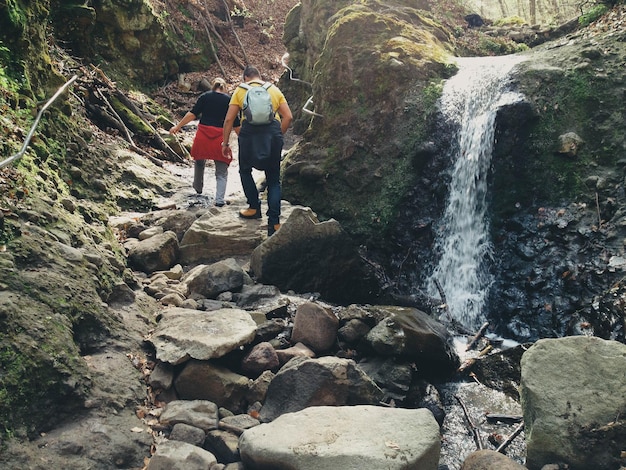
307,255
573,393
344,437
157,253
219,234
184,334
411,334
210,281
327,381
355,162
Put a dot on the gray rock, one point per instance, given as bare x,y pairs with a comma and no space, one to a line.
346,438
206,381
182,333
393,377
162,376
327,381
187,433
254,296
411,334
353,331
181,456
242,421
198,413
156,253
572,392
218,235
211,280
257,390
315,326
489,460
224,445
150,232
307,255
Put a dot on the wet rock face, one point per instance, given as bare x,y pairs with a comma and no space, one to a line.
555,210
556,196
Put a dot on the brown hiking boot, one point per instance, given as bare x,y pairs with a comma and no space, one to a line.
250,213
272,229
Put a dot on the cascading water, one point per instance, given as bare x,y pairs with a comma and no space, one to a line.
470,101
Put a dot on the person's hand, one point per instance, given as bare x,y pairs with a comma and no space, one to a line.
174,129
227,152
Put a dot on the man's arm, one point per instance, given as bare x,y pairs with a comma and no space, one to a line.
231,114
285,116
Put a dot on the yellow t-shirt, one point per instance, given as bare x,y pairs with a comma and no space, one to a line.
275,94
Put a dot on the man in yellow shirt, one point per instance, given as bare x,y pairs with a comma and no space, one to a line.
260,147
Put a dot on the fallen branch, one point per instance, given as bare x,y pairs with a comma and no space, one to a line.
480,334
230,22
217,59
509,439
473,428
467,364
29,136
444,302
116,117
508,419
233,56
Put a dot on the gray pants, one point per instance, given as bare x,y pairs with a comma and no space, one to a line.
221,178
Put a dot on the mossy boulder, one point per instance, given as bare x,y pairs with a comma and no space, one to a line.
377,69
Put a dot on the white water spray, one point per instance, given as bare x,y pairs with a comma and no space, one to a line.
470,101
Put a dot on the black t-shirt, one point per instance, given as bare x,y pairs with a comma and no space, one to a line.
211,108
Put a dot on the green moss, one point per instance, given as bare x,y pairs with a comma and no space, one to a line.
592,14
17,14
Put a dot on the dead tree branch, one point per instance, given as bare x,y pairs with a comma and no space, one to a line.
477,336
473,428
233,56
509,439
230,23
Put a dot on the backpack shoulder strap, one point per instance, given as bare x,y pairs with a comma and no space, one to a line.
266,85
245,86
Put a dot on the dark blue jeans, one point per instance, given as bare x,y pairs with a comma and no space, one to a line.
261,147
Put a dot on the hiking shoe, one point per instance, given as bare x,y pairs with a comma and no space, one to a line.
272,229
220,204
250,213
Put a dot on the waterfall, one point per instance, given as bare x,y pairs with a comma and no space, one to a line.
470,101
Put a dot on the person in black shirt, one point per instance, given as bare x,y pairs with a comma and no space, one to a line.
211,107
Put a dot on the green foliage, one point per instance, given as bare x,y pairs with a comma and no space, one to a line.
17,15
432,93
593,14
499,46
7,85
241,12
